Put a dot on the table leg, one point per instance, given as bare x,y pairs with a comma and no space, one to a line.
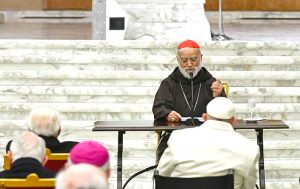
261,165
119,160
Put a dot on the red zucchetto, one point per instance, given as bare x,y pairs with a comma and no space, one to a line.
188,43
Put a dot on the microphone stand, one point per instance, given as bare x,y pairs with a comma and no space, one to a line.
220,36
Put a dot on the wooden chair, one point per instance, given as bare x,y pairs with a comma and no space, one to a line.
55,162
6,162
214,182
32,181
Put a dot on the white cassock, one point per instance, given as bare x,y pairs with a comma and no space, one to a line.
210,150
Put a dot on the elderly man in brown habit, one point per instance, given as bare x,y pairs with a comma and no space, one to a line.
186,91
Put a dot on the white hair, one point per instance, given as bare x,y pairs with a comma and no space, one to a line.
187,74
28,145
183,71
81,176
44,121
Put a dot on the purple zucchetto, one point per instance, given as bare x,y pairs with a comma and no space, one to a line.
90,152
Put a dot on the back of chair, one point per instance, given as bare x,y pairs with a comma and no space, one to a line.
215,182
55,162
6,162
32,181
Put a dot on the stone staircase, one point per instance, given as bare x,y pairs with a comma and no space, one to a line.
102,80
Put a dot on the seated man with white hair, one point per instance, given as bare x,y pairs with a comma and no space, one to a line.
212,149
81,176
91,152
27,155
46,122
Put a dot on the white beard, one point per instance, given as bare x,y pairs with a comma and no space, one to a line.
187,75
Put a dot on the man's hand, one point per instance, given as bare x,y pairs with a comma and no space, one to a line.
174,117
216,88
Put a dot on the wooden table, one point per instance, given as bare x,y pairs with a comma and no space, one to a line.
122,126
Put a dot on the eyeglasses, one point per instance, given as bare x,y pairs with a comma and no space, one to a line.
186,60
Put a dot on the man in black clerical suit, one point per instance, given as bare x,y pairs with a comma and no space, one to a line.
45,122
28,155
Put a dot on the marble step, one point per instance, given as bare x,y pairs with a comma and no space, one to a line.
85,49
276,183
138,91
82,107
293,76
151,63
282,168
90,116
133,111
143,83
141,91
22,98
275,134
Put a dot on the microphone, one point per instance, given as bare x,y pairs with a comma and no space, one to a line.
192,90
191,120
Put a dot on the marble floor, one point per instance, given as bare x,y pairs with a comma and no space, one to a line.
247,30
268,31
46,30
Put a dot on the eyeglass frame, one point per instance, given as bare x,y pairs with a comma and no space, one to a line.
189,59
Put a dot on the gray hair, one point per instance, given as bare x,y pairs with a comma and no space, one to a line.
44,121
28,145
81,176
182,70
